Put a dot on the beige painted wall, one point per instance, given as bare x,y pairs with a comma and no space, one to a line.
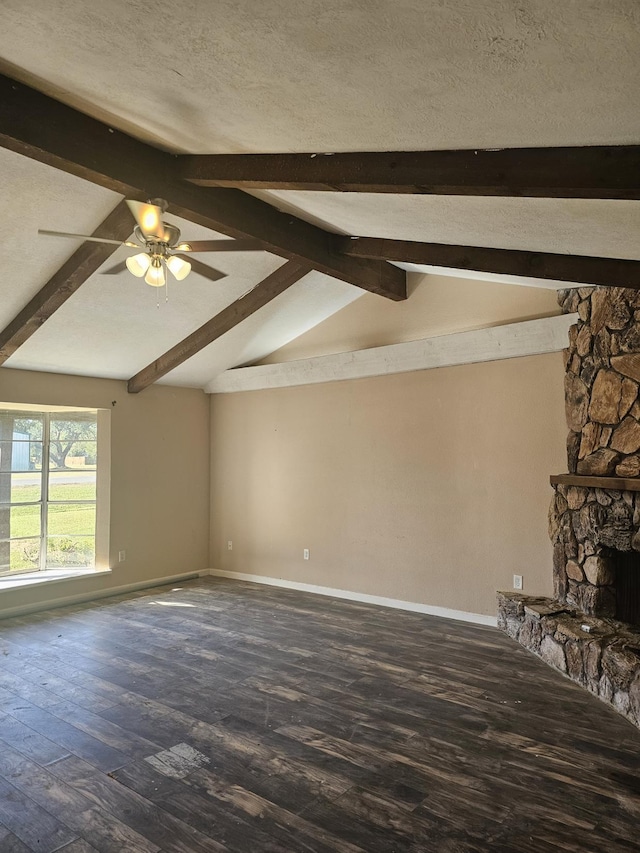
437,305
430,486
159,477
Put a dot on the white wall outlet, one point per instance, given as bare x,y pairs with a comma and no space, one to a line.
229,545
122,556
305,553
517,581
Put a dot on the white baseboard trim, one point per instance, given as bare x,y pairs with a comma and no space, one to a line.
398,604
50,604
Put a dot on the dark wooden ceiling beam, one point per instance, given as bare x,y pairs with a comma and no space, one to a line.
46,130
580,269
272,286
586,172
63,284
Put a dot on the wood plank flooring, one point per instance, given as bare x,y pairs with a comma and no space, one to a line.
321,726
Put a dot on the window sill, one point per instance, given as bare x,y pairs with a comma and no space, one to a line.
48,576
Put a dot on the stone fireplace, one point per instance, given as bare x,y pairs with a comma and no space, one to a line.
590,630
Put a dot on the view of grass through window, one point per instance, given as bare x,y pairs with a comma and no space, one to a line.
47,489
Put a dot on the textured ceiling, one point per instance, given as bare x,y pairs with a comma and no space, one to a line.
567,226
35,196
323,75
316,75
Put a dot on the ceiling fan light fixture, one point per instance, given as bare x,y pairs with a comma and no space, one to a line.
158,241
178,267
155,274
138,264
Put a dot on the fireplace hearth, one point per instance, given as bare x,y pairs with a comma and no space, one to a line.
590,630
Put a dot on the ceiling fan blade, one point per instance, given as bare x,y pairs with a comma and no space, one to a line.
149,219
85,237
203,269
221,246
115,269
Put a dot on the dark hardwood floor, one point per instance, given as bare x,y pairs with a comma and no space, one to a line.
288,722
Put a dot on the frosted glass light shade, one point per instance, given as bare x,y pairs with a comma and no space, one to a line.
178,267
155,275
138,264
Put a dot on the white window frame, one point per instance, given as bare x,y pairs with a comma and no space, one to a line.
103,485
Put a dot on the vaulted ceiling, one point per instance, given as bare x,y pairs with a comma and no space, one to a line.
259,77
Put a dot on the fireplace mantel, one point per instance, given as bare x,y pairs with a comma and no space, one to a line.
622,484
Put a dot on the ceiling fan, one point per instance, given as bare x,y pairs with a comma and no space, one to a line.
161,247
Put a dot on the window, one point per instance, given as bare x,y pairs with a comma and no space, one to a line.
48,489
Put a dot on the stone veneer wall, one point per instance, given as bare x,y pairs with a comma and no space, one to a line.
602,381
603,412
583,525
575,632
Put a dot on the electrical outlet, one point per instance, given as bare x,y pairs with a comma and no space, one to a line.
305,553
122,556
517,581
229,545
